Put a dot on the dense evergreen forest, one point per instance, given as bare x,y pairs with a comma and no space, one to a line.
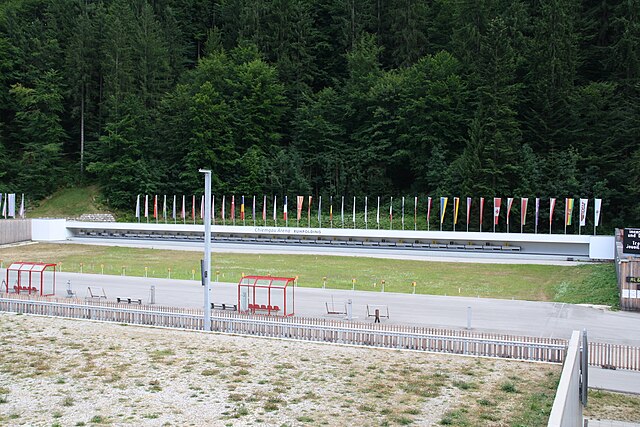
533,98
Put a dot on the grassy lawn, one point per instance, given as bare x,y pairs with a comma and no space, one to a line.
613,406
69,202
590,283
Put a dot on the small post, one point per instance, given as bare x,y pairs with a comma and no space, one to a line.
324,282
414,287
124,270
353,284
169,271
217,275
382,285
81,265
349,310
101,268
193,274
584,368
146,271
468,317
152,295
60,267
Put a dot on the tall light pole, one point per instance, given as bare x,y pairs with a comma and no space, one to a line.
206,264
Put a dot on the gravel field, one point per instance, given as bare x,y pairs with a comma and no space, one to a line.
61,372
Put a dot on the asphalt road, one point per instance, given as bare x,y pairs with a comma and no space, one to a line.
492,315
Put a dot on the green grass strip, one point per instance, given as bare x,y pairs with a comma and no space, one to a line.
591,283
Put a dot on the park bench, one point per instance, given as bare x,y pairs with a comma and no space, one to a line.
265,308
18,289
95,295
332,309
129,300
224,306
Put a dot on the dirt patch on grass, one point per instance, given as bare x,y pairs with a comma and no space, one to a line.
73,372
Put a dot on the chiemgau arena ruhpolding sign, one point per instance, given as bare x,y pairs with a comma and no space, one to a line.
631,241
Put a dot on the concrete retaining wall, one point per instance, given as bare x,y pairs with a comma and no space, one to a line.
15,230
567,408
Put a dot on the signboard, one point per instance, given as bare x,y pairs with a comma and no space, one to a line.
631,279
631,241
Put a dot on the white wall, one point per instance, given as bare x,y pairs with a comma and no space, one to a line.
48,229
567,408
602,247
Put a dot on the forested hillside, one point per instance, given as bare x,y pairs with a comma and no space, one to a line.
324,97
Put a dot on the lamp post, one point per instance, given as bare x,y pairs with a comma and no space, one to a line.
206,265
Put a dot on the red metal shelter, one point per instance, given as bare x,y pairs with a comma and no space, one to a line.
267,295
34,278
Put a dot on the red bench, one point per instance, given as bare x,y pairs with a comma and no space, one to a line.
19,289
268,308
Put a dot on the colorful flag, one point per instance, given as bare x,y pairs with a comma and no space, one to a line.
456,207
193,207
222,209
391,210
155,206
213,208
415,211
146,206
583,212
402,212
468,210
264,208
275,209
164,208
481,210
11,206
4,206
137,205
523,210
242,208
365,210
509,204
342,212
253,210
309,211
597,205
428,211
319,211
202,207
568,211
331,208
378,212
537,211
552,206
174,207
354,211
443,208
497,201
300,200
232,213
285,208
21,212
184,207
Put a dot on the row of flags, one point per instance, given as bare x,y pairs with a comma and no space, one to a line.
8,204
152,202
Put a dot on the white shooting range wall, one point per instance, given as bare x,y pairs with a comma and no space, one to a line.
585,247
